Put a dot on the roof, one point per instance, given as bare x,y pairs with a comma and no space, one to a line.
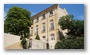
45,11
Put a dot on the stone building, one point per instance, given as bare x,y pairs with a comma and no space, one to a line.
45,24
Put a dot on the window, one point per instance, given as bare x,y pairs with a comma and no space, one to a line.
51,25
43,37
37,19
43,27
31,33
52,37
51,12
37,29
43,16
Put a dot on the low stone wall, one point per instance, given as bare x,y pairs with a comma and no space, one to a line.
38,44
12,41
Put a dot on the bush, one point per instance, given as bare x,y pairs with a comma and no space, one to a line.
37,37
24,43
70,43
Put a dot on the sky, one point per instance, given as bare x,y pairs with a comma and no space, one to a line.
77,10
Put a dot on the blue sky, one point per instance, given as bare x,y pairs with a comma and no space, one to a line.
75,9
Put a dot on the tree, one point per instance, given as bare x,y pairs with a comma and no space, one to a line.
65,21
37,37
24,43
17,21
75,33
75,27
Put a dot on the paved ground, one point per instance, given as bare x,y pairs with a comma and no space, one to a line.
15,46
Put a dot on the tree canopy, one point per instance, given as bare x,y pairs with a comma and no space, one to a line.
75,27
65,21
75,39
17,21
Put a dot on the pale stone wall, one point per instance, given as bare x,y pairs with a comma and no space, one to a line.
38,44
12,41
15,46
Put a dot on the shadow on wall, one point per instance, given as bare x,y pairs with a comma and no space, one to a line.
61,36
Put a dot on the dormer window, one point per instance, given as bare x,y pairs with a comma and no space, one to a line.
51,12
43,16
37,19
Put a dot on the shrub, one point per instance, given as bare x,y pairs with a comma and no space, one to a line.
24,43
71,43
37,37
47,44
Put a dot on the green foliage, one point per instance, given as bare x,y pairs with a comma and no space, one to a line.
65,21
76,27
17,21
37,37
24,43
75,33
70,43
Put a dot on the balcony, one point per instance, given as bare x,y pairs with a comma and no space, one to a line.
36,21
50,15
52,28
36,33
43,18
31,34
43,30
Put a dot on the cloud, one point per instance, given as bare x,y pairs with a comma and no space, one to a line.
5,13
33,13
80,18
6,9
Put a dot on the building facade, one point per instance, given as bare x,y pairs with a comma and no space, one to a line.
45,24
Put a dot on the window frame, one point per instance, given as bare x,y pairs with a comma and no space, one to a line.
51,12
52,37
37,19
51,24
43,27
43,16
36,28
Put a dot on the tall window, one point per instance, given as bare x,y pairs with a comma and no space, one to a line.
51,25
51,12
37,29
43,16
31,33
43,25
52,37
37,19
